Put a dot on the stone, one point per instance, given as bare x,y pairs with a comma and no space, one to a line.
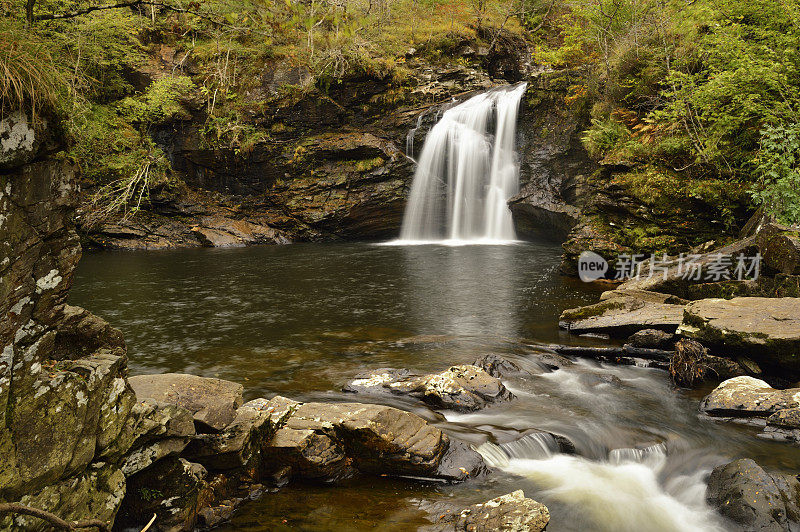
497,366
764,329
748,397
623,312
331,441
463,388
756,500
173,489
212,402
508,513
677,283
238,444
780,247
652,339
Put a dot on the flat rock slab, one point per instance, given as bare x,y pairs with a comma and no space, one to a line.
623,312
765,329
212,402
464,388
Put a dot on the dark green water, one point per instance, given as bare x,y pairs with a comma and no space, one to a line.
301,320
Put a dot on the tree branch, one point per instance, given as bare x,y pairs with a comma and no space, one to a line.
52,519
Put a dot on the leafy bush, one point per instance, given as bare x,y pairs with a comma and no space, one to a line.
777,166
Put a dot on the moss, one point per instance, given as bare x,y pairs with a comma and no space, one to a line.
591,311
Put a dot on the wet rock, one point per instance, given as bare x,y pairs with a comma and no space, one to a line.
748,397
783,425
756,500
225,232
462,388
212,402
765,329
330,441
554,162
624,312
652,339
510,513
172,489
780,247
497,366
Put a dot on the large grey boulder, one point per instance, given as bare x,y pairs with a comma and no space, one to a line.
764,329
624,312
330,441
212,402
462,388
756,500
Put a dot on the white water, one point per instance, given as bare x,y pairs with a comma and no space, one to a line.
622,494
466,174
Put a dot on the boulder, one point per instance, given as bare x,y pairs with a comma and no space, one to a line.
756,500
748,397
509,513
652,339
497,366
239,443
463,388
331,441
780,248
623,312
212,402
765,329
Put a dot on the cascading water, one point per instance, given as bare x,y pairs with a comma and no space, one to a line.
467,172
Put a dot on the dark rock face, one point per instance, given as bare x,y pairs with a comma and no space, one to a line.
743,492
554,164
64,400
172,489
331,441
462,388
497,366
212,402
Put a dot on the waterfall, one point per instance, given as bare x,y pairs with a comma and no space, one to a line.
467,172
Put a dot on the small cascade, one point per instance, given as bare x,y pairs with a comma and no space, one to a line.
620,456
535,446
467,172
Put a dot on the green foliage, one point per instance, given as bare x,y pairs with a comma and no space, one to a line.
603,136
777,166
163,100
29,75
